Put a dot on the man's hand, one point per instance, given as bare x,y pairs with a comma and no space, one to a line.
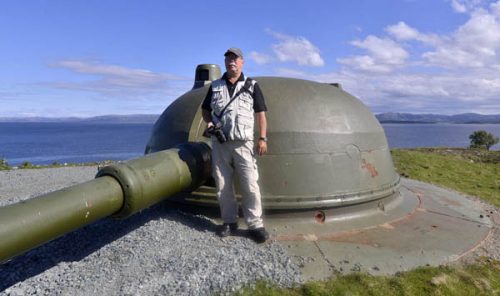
207,117
261,147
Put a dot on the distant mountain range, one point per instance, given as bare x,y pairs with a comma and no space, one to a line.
132,118
382,117
436,118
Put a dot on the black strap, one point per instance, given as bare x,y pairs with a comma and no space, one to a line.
246,87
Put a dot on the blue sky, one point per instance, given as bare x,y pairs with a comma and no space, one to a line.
85,58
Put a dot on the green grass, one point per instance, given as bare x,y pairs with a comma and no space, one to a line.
478,279
474,172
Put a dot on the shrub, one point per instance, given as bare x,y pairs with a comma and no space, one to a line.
26,165
482,139
4,165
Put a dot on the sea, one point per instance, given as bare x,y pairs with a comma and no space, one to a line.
55,142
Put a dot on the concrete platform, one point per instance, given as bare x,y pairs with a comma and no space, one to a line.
424,225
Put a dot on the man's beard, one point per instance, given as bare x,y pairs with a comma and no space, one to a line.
232,70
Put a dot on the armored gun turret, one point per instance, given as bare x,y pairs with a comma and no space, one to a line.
327,155
326,149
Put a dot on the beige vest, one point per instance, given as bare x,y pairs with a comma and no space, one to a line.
238,118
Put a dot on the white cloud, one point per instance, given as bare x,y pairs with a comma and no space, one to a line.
464,6
296,49
474,44
452,73
401,31
459,71
366,64
458,7
446,93
8,96
260,58
495,8
287,72
481,33
383,50
115,74
449,57
116,81
384,55
407,70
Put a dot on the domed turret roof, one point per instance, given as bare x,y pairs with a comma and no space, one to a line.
325,149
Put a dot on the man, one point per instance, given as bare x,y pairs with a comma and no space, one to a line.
229,106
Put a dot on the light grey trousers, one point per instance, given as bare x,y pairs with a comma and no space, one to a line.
239,157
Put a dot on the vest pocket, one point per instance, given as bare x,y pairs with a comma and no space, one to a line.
246,103
218,102
244,126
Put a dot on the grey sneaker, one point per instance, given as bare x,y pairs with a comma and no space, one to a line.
259,235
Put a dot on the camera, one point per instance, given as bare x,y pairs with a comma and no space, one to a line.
216,130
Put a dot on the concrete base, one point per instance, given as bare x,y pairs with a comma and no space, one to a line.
425,225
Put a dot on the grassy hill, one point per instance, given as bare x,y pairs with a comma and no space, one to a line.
471,171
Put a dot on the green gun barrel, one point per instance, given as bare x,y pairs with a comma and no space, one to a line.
119,190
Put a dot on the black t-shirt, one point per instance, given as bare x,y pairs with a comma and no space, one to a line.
259,104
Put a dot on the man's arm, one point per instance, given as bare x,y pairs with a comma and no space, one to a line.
262,123
206,110
207,117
